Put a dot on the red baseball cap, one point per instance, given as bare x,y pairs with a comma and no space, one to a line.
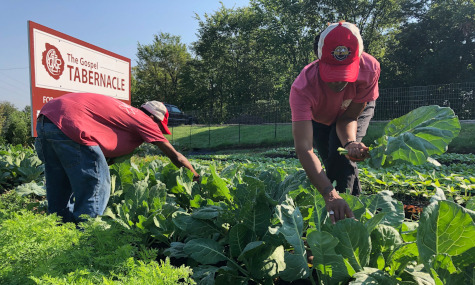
339,49
159,110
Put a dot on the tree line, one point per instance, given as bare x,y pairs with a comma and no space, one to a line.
251,55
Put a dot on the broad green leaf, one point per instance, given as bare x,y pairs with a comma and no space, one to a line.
296,267
292,225
465,263
399,259
217,186
194,227
409,231
385,239
247,193
205,251
355,242
446,270
123,172
176,250
290,183
330,266
206,213
415,275
239,237
373,222
30,188
320,212
383,202
416,136
292,230
184,184
205,274
262,260
373,276
356,206
137,192
471,203
256,215
445,228
143,222
250,248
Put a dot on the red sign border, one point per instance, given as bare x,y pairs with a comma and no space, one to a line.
37,92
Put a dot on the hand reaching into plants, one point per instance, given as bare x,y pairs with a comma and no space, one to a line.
355,151
196,178
337,207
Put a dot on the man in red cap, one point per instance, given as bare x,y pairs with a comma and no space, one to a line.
332,101
78,133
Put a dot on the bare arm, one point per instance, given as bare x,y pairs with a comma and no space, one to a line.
303,140
346,127
176,158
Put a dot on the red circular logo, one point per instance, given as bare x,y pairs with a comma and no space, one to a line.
53,61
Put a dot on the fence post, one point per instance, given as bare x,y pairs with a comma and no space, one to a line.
209,131
275,122
239,126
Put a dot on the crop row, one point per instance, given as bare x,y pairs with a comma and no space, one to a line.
258,220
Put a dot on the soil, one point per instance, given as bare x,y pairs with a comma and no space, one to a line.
413,205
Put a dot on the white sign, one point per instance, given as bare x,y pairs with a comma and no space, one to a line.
63,65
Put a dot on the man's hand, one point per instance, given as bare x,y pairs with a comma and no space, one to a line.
357,151
337,207
196,178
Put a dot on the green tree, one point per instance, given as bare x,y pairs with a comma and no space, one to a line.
15,125
6,108
438,48
253,54
158,69
232,60
287,35
374,18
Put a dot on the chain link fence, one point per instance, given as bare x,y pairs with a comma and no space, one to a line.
392,103
267,122
395,102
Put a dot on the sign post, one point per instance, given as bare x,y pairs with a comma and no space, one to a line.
61,64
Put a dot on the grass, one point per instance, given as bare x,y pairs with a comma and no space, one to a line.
230,136
199,137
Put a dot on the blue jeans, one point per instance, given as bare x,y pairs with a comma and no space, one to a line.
77,176
337,167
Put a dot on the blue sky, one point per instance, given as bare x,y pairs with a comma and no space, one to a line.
116,26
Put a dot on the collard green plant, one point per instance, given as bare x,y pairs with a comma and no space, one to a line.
18,165
445,241
250,223
416,136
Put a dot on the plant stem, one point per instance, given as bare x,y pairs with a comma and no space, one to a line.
342,151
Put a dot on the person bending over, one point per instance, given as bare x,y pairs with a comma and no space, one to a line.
78,133
332,101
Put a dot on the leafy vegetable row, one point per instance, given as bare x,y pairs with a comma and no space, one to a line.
259,225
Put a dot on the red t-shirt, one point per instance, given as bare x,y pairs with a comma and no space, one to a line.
310,98
93,119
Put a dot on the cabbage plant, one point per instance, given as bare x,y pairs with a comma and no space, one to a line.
415,137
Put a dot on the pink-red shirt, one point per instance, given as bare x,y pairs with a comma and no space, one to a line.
93,119
311,99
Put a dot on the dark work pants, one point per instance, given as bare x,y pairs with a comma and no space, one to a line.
338,167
